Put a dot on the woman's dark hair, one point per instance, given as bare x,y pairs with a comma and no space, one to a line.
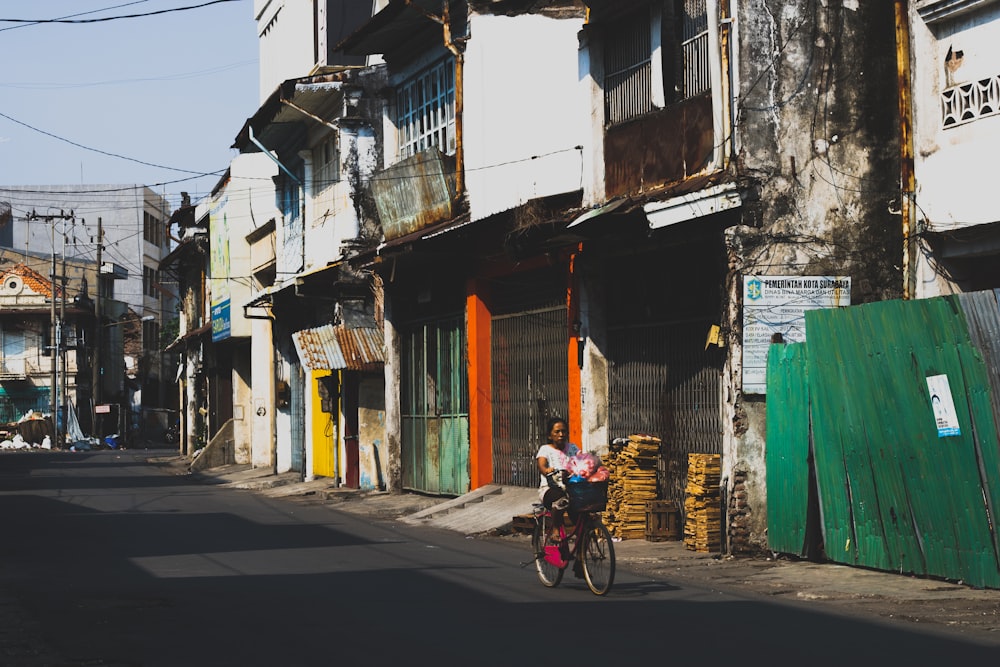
552,422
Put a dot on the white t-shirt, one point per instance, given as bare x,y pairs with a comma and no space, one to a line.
557,459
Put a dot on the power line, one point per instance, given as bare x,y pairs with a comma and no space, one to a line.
39,85
115,18
115,155
69,16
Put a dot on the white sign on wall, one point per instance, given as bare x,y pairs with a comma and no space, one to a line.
943,404
774,310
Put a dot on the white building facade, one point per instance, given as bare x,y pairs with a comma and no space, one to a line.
956,137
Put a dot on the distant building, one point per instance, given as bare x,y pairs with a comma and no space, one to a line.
123,228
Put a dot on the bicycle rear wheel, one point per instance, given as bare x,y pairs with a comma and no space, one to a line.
598,555
549,574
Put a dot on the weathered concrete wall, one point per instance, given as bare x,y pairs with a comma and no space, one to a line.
242,400
373,454
218,451
594,373
817,140
393,414
262,372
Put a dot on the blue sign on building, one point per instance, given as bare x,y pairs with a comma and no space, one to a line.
221,322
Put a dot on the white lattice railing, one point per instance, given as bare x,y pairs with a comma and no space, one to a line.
13,367
967,102
21,368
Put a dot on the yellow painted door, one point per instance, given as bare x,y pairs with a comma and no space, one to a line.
324,425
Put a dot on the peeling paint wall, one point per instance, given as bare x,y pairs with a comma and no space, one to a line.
373,456
817,142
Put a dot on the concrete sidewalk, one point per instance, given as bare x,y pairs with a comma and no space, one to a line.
487,513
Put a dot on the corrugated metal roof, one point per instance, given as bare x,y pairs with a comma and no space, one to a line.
335,347
276,122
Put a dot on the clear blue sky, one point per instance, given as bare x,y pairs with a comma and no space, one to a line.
171,89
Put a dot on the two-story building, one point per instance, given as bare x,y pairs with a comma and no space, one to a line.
52,351
574,196
952,219
282,337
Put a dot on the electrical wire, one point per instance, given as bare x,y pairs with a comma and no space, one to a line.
93,84
69,16
109,154
115,18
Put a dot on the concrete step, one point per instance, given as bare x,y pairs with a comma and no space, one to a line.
486,508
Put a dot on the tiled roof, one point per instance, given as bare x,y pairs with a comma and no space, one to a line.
35,281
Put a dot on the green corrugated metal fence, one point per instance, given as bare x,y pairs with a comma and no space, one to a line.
892,494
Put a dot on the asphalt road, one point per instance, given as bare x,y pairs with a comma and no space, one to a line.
107,559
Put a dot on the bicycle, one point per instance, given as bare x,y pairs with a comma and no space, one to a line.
588,546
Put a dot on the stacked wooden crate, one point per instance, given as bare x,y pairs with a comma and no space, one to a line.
703,525
632,483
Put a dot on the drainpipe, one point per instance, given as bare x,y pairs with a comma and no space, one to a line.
306,204
907,178
727,79
268,153
302,187
457,49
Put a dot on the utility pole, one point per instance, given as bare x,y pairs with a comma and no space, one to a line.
62,359
98,330
54,347
55,322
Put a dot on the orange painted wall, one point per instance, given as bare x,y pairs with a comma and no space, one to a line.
480,389
573,354
478,321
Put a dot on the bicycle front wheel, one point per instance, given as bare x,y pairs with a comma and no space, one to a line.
550,575
598,555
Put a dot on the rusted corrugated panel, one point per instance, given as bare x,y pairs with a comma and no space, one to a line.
362,349
318,348
415,193
336,347
662,147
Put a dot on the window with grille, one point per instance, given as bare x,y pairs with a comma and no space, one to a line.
6,225
150,282
152,229
655,58
327,164
425,111
150,335
288,195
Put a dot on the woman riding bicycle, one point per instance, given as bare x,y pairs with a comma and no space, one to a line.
588,544
553,461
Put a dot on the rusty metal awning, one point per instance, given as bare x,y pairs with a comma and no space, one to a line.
194,334
265,297
316,98
336,347
394,25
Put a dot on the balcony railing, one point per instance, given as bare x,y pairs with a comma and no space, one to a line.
13,369
22,369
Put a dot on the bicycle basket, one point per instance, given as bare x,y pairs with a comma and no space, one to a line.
588,496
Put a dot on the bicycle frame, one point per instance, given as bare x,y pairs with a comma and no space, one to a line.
553,553
588,544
